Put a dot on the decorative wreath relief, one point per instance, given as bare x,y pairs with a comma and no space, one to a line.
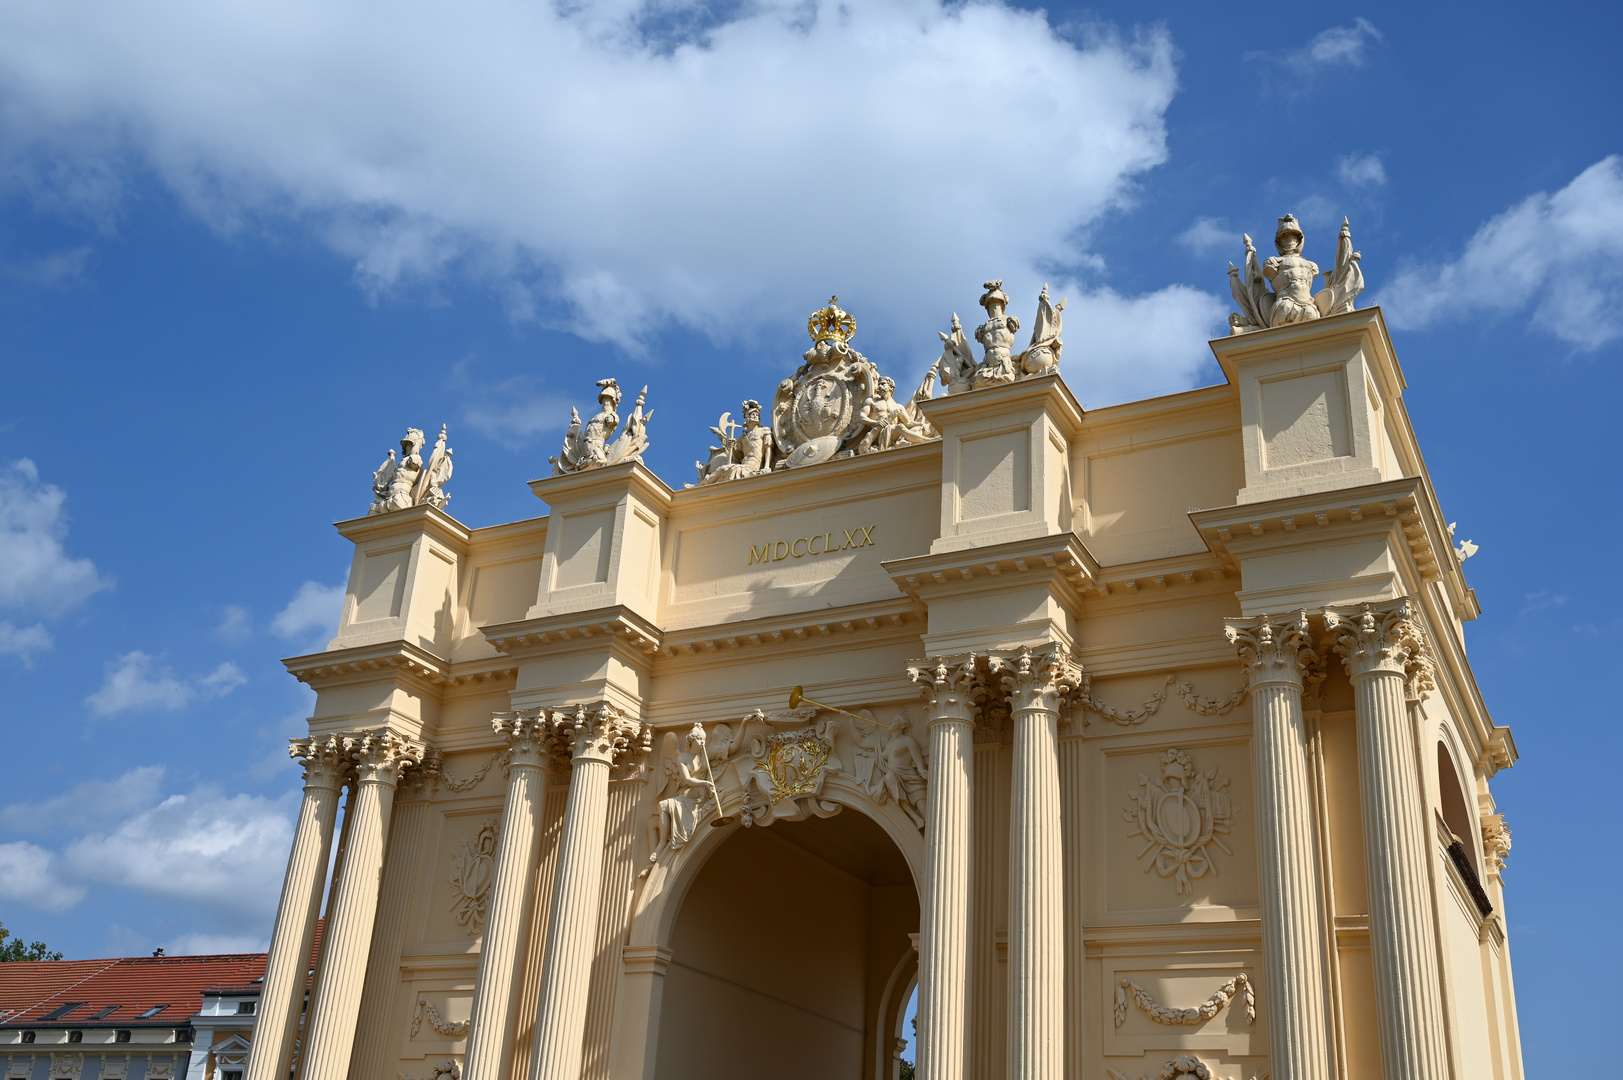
445,1070
1129,991
451,1029
471,872
1180,818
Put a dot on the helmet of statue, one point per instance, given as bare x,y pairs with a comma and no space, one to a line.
1288,226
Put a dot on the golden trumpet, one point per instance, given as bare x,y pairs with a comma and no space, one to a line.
796,696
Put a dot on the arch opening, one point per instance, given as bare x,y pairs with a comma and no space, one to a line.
1451,798
792,956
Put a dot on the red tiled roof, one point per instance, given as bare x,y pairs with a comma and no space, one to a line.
26,983
134,985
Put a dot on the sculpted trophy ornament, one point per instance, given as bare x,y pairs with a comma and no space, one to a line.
594,444
960,371
836,405
1180,818
406,482
1279,290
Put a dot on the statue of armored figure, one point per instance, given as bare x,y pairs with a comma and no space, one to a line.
406,482
746,452
593,445
959,369
1291,298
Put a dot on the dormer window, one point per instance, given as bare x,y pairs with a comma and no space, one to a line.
246,1008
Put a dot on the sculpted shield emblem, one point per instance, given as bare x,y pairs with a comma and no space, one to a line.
823,406
1181,819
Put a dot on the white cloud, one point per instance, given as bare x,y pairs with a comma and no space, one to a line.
1337,45
1208,234
89,804
24,641
236,623
1558,256
195,944
135,681
37,574
314,610
225,854
29,874
1361,170
1121,348
605,172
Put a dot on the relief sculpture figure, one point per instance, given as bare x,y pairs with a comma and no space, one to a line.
893,766
686,794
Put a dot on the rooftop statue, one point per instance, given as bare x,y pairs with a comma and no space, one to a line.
1291,298
407,482
959,369
594,444
836,405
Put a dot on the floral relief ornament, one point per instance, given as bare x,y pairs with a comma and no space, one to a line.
1180,819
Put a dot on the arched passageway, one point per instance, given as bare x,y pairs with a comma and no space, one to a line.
792,957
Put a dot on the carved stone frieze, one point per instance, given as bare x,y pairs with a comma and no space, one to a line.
473,868
1085,702
460,784
783,773
67,1065
445,1070
406,482
1180,817
1129,992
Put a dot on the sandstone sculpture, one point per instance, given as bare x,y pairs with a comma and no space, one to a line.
1291,298
960,371
407,482
594,444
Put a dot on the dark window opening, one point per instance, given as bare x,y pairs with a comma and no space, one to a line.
246,1007
61,1010
28,1036
121,1035
76,1036
183,1034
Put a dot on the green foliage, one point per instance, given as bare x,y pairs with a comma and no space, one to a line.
907,1070
12,948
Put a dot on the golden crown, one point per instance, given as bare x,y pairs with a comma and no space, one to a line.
830,323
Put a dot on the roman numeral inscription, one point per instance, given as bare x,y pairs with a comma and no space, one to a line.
822,544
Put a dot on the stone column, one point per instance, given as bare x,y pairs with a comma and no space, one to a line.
599,736
1384,649
286,968
529,738
1275,653
330,1042
944,907
1036,682
372,1028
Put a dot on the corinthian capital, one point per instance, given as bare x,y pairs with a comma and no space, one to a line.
947,685
599,733
1384,637
325,760
531,738
381,755
419,781
1037,679
1272,650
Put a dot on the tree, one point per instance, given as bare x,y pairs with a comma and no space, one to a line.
12,948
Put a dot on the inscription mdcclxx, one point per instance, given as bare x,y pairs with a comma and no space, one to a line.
821,544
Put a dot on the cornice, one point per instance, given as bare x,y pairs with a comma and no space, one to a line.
1168,578
365,663
1061,555
1004,398
631,476
1215,401
1408,503
573,631
861,621
423,518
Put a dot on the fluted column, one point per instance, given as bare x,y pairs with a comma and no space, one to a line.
293,936
529,738
372,1028
944,907
1036,683
330,1045
599,735
1383,648
1275,652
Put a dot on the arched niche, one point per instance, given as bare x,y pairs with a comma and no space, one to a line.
1453,804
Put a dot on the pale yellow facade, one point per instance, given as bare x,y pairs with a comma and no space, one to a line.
1202,827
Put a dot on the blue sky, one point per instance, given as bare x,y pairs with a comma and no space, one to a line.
243,246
